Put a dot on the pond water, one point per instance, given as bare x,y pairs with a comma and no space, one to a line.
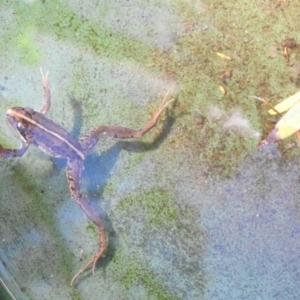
193,210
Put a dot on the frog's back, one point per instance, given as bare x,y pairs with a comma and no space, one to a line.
53,139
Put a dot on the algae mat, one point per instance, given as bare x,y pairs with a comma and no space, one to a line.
194,210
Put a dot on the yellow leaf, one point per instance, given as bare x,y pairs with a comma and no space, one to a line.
223,56
289,123
286,104
222,89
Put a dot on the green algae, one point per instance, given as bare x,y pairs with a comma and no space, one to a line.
159,206
198,69
168,229
41,213
130,270
92,229
27,49
195,66
36,214
63,24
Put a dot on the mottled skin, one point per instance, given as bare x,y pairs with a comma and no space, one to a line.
35,128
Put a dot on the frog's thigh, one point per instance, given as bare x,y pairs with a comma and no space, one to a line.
74,169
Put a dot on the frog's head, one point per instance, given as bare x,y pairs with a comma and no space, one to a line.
20,118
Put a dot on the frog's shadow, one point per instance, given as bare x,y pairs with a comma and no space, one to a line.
97,173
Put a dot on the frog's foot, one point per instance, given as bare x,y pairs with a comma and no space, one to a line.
163,105
101,251
153,120
47,94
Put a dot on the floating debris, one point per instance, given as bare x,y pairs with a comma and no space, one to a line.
234,121
289,123
222,89
223,56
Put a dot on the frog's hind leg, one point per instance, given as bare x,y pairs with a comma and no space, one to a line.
89,140
74,169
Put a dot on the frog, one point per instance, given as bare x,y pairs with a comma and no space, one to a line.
34,128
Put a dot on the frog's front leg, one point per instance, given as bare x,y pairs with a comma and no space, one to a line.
47,94
74,169
5,153
89,140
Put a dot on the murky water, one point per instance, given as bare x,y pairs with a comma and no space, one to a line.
193,210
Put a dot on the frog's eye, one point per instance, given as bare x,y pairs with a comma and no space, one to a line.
21,126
